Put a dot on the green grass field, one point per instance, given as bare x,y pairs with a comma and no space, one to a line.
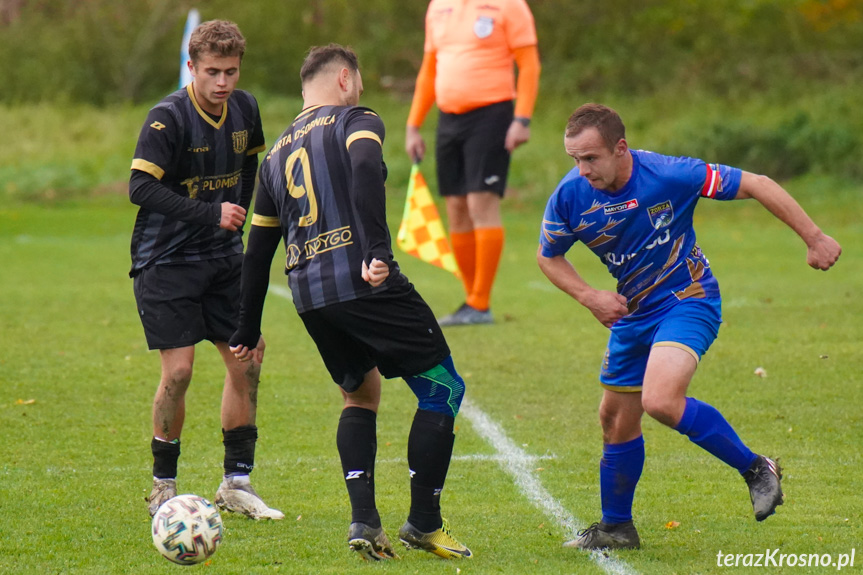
76,385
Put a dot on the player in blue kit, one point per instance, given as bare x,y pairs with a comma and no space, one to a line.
634,210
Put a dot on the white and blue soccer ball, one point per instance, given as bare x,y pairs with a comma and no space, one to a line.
187,529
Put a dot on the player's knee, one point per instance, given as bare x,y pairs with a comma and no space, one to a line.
440,389
662,409
607,416
252,372
177,376
611,413
620,420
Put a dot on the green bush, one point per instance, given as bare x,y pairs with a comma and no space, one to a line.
101,50
791,148
768,85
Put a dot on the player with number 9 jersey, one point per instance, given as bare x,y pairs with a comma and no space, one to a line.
327,231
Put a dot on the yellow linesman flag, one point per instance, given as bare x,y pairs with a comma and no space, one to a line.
421,233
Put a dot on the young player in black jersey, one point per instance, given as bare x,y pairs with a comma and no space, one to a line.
322,190
193,177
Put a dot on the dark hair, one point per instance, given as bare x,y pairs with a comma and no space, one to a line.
218,37
603,118
321,57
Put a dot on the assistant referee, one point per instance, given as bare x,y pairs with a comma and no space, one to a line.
468,68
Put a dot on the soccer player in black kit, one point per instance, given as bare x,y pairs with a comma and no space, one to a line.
193,177
322,190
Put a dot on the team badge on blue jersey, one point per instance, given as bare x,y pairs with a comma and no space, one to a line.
661,214
483,27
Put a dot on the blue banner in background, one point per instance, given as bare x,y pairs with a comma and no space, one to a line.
192,22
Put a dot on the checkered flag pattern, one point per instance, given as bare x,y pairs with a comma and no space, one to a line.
421,233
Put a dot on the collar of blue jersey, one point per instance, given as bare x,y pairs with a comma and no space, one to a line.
629,186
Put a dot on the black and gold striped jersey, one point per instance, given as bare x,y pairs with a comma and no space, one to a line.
322,183
187,162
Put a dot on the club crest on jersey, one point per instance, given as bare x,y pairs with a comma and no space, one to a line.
241,141
661,215
616,208
483,27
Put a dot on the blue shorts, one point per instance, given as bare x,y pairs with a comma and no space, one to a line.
691,325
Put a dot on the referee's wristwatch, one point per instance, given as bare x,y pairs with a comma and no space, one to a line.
523,121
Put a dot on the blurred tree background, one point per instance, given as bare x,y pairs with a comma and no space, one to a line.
102,51
767,85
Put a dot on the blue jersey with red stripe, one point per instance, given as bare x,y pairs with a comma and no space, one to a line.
642,232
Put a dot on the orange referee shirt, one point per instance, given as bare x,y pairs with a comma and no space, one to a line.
474,41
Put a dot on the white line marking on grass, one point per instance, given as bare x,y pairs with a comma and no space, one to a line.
542,286
497,458
515,462
281,291
478,457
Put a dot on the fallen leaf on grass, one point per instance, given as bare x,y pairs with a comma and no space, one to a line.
25,402
672,524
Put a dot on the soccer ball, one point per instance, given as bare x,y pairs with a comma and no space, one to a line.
187,529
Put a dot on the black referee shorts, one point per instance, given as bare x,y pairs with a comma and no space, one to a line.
181,304
470,150
393,330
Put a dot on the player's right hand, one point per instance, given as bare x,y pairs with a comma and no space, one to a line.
245,347
233,216
241,352
606,306
375,273
415,146
255,354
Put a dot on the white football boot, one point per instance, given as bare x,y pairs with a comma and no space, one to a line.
236,494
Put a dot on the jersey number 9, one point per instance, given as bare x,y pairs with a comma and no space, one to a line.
299,190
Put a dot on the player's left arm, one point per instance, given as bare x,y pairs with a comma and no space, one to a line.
365,136
823,251
246,342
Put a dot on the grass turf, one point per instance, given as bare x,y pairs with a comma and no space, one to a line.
76,385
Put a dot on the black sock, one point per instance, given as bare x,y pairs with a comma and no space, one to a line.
240,449
429,452
357,441
165,456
